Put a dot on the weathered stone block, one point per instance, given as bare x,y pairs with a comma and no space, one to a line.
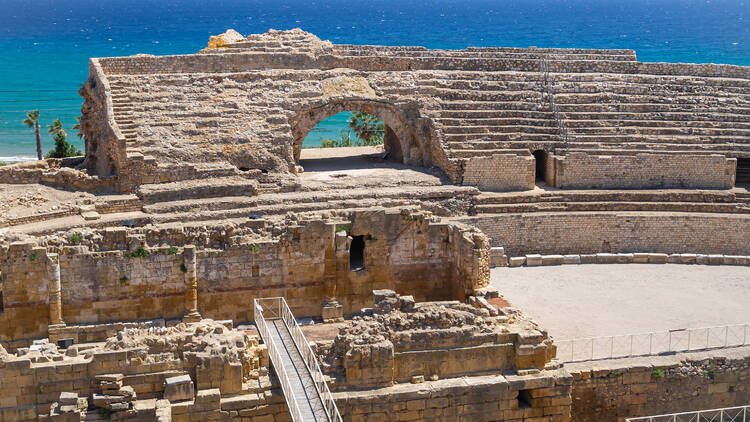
533,260
571,259
179,388
516,261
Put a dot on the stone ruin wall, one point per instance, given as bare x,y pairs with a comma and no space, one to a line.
103,279
616,390
644,171
500,172
640,231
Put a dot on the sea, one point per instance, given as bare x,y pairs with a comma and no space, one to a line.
45,44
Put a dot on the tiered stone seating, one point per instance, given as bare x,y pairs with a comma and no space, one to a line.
491,112
654,113
705,201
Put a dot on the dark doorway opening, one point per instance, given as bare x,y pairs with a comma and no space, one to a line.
357,253
540,156
524,399
743,170
1,303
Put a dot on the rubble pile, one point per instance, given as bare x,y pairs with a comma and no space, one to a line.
112,395
207,338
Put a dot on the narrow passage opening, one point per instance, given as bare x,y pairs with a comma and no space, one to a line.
357,254
540,156
743,170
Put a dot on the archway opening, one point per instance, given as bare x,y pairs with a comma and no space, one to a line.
540,157
349,140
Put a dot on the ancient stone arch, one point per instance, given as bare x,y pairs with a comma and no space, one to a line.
402,141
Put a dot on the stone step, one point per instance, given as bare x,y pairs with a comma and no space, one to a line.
492,114
611,206
199,188
478,105
512,136
651,195
489,130
505,145
495,122
470,153
314,197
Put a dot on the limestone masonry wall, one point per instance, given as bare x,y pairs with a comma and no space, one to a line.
500,172
616,390
543,397
585,171
593,232
309,264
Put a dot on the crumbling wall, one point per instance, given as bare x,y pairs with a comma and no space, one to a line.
121,274
403,341
616,390
644,171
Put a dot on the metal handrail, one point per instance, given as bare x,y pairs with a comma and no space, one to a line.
653,343
726,414
544,68
282,311
275,357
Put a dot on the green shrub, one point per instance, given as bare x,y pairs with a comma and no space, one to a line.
75,238
172,250
658,373
343,228
254,248
183,268
124,279
139,253
33,256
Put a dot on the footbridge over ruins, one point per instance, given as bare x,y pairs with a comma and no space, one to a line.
305,390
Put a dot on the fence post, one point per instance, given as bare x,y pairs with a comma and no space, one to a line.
669,347
631,345
650,343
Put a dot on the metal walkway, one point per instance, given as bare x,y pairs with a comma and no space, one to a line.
305,390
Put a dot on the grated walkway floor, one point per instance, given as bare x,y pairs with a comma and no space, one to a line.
304,391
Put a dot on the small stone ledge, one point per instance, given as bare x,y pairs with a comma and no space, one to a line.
535,260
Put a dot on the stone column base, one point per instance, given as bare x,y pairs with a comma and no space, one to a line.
192,317
332,311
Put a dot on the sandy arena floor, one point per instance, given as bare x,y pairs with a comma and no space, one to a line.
573,301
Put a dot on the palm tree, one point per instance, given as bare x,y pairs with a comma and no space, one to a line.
32,120
56,128
77,127
367,127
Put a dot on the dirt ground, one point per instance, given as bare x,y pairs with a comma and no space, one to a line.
359,167
24,200
574,301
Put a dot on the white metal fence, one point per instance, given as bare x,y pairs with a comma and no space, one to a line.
276,307
728,414
275,357
646,344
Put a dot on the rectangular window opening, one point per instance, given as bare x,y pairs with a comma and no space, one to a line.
357,253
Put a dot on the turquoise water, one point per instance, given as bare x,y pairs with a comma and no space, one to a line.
45,44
